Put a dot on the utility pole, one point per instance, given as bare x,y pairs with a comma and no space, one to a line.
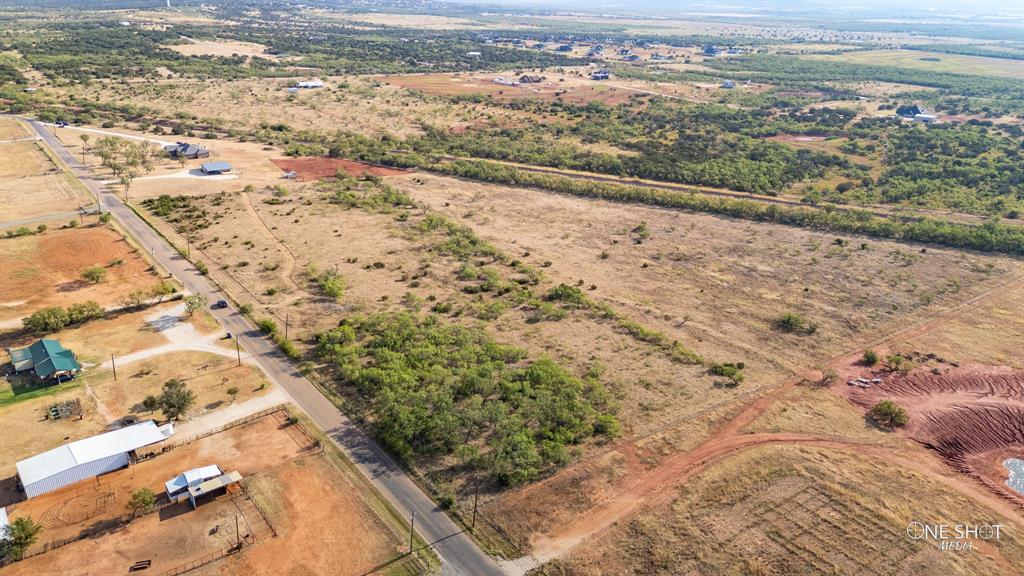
476,496
238,351
285,325
238,537
188,243
112,365
412,526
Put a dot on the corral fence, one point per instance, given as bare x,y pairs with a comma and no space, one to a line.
122,520
168,446
199,562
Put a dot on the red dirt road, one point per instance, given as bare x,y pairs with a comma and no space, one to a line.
316,168
728,439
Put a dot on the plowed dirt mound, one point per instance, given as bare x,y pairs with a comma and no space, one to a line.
307,169
971,416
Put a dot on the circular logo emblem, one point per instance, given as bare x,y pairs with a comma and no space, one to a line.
915,530
986,531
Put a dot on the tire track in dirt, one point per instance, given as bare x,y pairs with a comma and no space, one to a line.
290,261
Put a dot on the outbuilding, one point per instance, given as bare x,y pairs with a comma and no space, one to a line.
87,458
213,168
180,484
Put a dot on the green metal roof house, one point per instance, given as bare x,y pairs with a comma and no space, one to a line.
46,358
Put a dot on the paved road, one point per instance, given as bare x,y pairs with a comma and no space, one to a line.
68,215
459,554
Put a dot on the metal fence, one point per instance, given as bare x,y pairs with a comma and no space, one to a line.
167,447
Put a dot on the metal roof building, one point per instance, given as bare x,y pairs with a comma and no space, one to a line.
86,458
215,167
190,478
46,358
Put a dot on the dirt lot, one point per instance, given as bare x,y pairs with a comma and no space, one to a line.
310,169
323,530
789,510
46,270
331,531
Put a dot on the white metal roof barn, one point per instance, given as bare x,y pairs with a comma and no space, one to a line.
86,458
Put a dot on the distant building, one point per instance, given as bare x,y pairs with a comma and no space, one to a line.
601,75
539,46
475,55
909,111
564,48
528,79
87,458
47,359
214,168
631,58
728,84
926,118
624,52
314,83
186,150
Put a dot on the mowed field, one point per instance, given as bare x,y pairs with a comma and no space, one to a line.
931,62
11,129
46,270
31,185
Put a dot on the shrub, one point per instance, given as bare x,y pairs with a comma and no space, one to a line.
870,358
887,413
94,274
266,325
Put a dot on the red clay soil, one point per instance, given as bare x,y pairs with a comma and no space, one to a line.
317,168
969,415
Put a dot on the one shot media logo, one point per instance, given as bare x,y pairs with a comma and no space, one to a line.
954,537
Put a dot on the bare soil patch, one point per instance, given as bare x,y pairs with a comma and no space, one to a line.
968,415
317,168
46,269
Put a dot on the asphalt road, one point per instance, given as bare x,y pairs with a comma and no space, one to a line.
458,553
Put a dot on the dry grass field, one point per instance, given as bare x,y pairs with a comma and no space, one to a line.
931,62
12,129
798,510
31,184
46,270
192,47
715,284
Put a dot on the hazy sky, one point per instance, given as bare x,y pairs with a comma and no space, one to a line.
865,8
